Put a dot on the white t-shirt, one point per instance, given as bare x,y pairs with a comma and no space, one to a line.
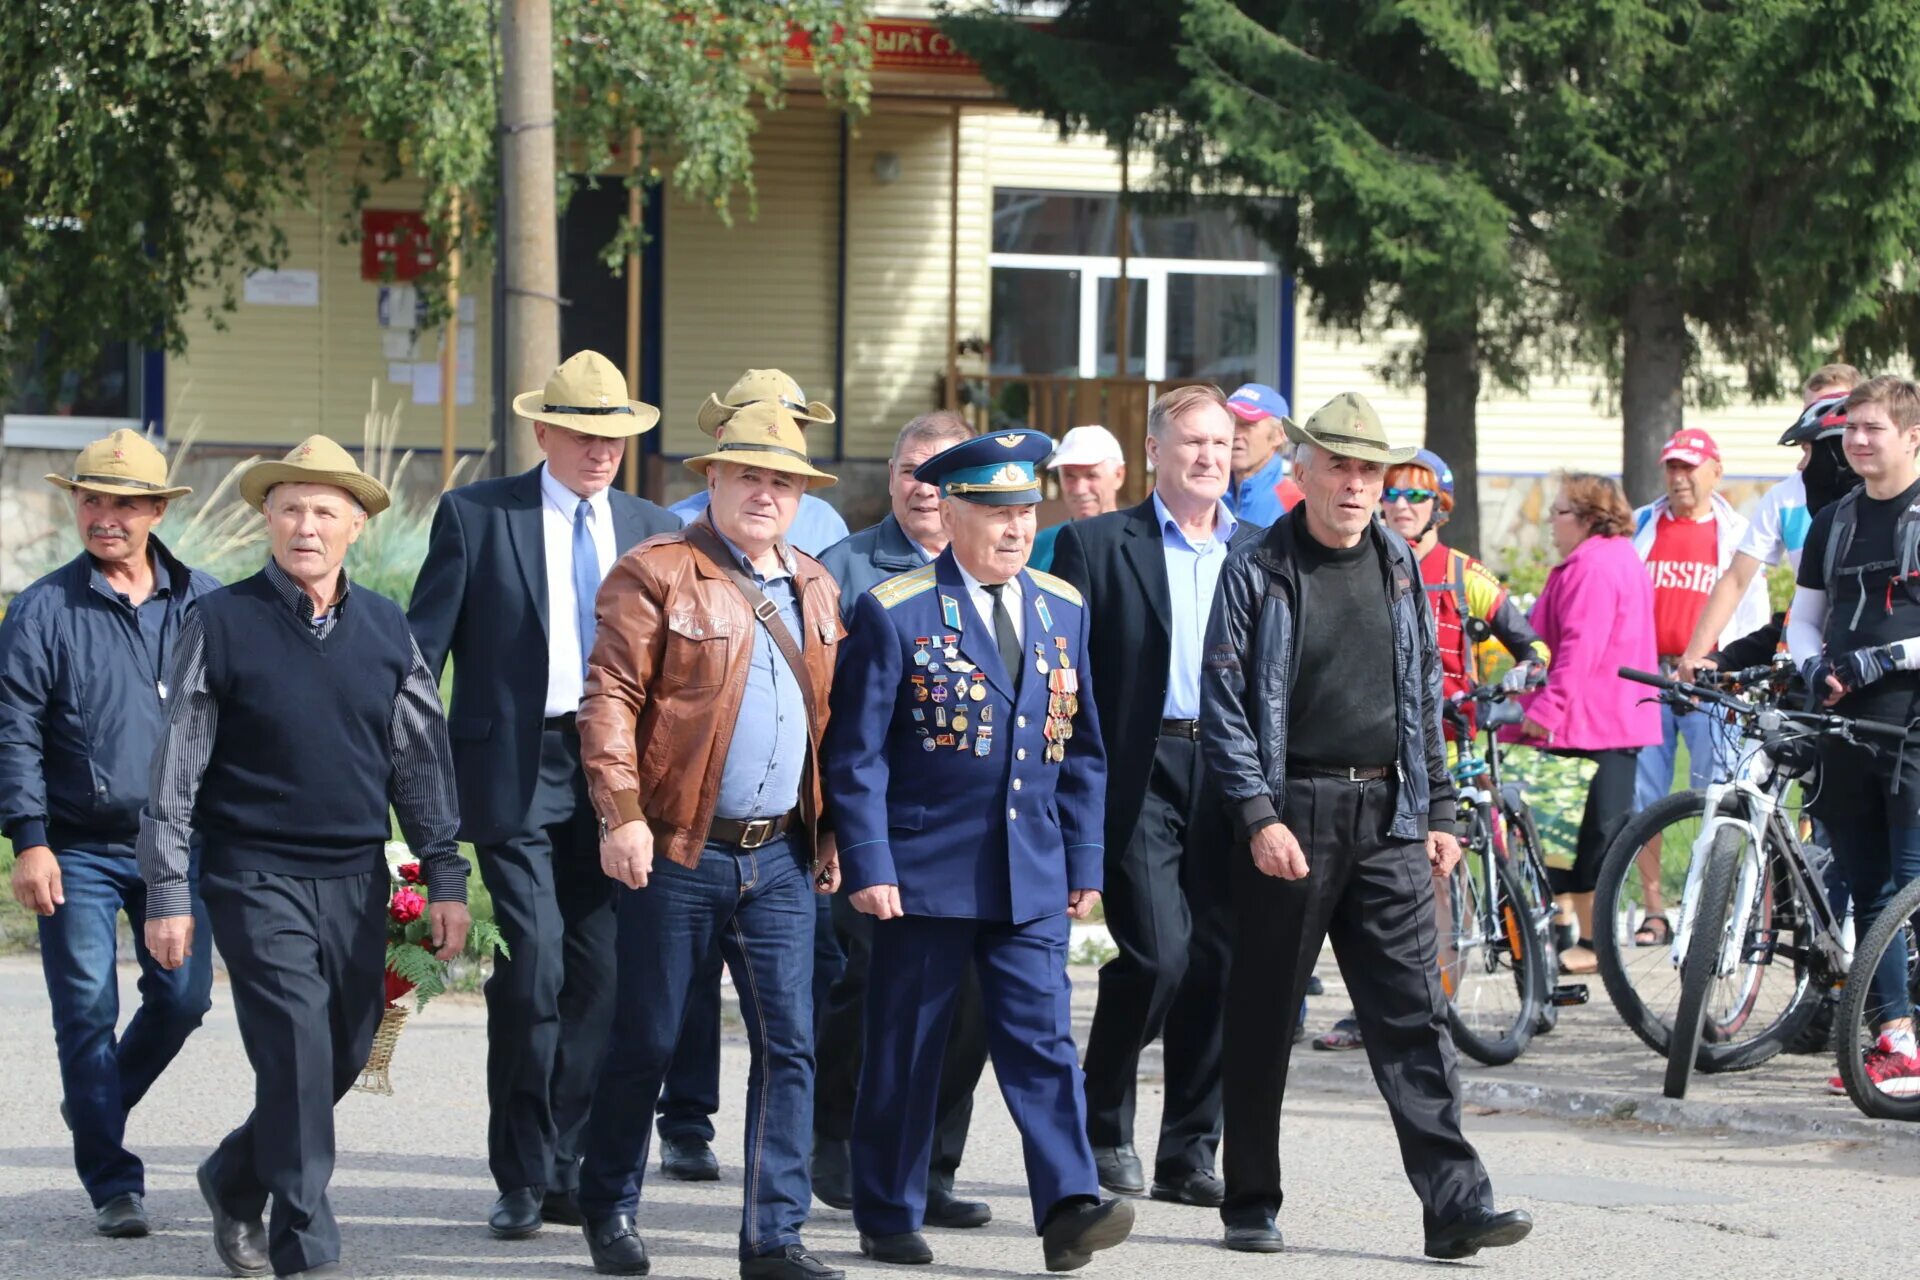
1780,523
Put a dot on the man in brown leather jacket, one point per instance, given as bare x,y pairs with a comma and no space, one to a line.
700,734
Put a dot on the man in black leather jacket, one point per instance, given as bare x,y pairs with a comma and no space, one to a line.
1320,720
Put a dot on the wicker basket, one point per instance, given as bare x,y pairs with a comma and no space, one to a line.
373,1076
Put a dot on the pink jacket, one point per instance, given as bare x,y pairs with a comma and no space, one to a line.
1596,615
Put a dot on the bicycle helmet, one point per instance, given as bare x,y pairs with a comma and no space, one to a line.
1442,473
1818,421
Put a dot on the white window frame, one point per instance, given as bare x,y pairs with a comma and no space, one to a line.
1094,268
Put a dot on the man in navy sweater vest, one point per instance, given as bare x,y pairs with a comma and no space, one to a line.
300,712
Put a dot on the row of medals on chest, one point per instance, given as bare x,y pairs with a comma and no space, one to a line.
949,676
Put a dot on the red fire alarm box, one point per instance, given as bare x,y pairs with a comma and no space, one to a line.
394,245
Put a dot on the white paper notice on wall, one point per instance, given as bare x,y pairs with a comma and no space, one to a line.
400,371
396,344
282,288
426,382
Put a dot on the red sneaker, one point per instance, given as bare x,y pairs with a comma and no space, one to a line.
1892,1073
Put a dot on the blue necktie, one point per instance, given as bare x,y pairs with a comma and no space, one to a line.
586,577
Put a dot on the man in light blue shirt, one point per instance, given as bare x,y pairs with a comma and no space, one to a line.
1261,491
816,527
1148,575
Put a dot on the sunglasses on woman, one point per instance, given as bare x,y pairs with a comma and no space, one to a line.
1413,496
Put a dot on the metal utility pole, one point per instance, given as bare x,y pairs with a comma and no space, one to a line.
530,255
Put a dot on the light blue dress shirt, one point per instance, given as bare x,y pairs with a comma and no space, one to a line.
816,525
761,777
1192,572
1254,499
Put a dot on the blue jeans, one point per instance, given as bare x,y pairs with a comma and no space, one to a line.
1878,860
104,1078
759,905
1709,754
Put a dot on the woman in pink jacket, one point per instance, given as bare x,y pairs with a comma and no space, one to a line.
1596,615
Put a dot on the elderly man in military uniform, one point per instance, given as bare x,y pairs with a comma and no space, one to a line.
965,778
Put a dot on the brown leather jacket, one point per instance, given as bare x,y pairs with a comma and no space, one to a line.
671,648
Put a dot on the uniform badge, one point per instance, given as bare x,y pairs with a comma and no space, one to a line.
959,721
982,743
1039,657
945,739
920,655
919,688
950,611
962,744
927,744
978,690
939,688
1040,607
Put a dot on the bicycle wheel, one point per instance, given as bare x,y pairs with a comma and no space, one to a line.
1712,917
1523,851
1771,993
1487,959
1895,928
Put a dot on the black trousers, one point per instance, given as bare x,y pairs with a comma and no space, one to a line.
1373,896
1609,805
549,1004
842,1041
1166,907
304,960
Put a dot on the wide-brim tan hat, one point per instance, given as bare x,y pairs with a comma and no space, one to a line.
587,394
315,460
1347,425
764,435
771,386
125,464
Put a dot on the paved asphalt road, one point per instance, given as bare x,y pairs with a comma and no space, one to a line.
1611,1198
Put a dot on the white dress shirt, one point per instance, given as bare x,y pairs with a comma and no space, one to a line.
557,503
983,603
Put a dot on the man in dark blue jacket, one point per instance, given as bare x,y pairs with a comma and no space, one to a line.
507,592
83,661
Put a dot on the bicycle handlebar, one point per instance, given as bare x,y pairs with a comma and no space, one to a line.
1821,722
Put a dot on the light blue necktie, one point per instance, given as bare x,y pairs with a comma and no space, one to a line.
586,577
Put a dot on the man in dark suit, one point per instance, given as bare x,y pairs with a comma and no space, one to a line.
1148,574
910,537
507,592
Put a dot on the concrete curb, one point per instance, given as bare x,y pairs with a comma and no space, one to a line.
1608,1106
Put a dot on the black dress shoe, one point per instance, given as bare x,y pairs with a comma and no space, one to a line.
122,1218
790,1263
1315,987
616,1246
241,1243
832,1169
1119,1170
1479,1228
944,1209
909,1247
516,1215
1255,1237
1075,1232
559,1208
1200,1187
689,1160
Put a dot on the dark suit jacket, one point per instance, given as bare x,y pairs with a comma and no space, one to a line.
481,599
862,561
1117,562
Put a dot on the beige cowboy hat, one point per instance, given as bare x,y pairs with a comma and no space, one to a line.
764,435
587,394
125,464
1347,425
315,460
756,385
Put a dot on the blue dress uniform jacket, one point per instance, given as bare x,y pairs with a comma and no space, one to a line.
971,818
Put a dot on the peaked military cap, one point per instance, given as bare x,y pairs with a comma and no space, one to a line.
996,469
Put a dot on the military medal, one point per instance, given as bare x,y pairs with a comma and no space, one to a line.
963,744
1039,657
920,655
1060,643
951,647
919,688
986,716
983,742
939,688
927,744
978,690
940,717
959,721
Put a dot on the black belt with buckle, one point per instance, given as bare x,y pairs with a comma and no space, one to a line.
560,724
1351,772
749,833
1180,729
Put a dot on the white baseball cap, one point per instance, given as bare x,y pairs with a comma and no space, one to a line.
1084,447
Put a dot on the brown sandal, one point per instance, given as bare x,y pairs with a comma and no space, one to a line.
1579,960
1648,935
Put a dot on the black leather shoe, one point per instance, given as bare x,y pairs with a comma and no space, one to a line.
122,1218
944,1209
559,1208
1200,1187
908,1248
689,1160
790,1263
832,1169
240,1243
1119,1170
516,1215
1479,1228
1315,987
1255,1237
616,1246
1075,1233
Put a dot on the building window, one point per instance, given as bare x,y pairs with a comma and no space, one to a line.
1202,299
56,409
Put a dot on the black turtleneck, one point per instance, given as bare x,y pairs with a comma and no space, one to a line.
1342,710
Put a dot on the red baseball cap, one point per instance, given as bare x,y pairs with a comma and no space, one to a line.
1692,447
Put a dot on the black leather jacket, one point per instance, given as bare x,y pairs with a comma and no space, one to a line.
1248,673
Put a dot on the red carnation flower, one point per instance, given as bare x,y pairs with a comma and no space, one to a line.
410,872
407,906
